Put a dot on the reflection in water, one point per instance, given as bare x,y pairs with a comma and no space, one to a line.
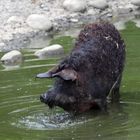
22,116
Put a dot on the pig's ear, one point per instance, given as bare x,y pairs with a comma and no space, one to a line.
48,74
67,74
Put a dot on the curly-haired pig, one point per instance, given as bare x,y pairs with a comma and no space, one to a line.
91,72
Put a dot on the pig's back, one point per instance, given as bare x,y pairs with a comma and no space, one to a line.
103,47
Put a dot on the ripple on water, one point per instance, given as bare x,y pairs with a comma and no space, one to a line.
41,121
34,119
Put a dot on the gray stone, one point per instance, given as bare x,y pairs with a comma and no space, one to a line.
39,21
15,19
74,20
2,45
100,4
137,22
124,10
75,5
12,58
120,25
109,15
53,50
91,11
135,2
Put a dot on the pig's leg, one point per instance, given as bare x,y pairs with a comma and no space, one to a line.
115,95
115,91
102,103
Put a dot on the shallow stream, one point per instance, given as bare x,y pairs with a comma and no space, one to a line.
23,117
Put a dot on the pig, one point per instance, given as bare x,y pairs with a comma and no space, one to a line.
90,73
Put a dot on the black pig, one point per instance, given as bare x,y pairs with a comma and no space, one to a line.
91,72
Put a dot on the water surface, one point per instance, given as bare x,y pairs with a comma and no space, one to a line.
23,117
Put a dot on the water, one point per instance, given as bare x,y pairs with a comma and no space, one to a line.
23,117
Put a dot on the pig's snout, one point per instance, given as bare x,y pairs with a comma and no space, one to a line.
48,99
43,98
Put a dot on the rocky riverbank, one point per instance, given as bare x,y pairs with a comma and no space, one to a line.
23,21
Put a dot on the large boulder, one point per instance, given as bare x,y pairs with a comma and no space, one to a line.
100,4
53,50
135,2
39,21
12,58
75,5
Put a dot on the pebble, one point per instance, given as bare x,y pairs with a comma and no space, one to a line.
2,45
100,4
109,15
39,21
135,2
53,50
91,11
123,10
75,5
15,19
74,20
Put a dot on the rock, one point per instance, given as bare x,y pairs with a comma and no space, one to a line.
137,22
15,22
120,25
109,15
2,45
135,2
74,20
12,58
73,15
91,11
38,21
137,14
15,19
123,10
50,51
75,5
100,4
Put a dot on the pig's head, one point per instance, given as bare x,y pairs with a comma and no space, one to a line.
69,90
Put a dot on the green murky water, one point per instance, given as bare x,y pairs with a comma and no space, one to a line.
23,117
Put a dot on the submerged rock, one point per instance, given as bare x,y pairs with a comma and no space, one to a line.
12,58
75,5
135,2
50,51
100,4
38,21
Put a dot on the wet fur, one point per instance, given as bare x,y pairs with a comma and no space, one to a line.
98,58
